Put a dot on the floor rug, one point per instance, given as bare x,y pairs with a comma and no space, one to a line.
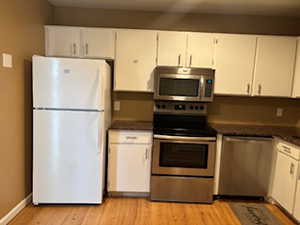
253,214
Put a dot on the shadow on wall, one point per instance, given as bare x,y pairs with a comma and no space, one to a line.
28,124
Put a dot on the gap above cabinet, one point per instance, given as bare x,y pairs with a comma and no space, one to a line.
246,65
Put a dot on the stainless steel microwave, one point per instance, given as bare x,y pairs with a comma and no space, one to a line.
184,84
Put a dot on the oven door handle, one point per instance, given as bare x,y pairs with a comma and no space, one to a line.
181,138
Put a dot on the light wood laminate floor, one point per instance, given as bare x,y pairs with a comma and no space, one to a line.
134,211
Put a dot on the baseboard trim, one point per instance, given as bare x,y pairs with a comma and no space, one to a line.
12,213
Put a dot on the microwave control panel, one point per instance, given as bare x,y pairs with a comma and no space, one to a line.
180,107
208,88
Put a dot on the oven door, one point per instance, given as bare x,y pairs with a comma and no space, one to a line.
178,87
183,156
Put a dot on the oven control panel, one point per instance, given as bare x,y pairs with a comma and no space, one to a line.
179,107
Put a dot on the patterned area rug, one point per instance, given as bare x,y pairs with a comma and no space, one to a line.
253,214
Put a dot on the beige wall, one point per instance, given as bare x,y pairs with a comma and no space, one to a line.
177,21
21,24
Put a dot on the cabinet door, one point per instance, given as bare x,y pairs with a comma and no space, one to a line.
274,66
296,212
200,50
135,60
63,41
98,43
234,64
129,168
285,178
296,90
172,48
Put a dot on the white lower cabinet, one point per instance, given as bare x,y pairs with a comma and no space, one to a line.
129,161
286,188
285,181
296,212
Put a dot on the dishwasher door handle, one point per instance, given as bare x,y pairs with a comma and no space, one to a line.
246,139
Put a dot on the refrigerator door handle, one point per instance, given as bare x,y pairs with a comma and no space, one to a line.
99,138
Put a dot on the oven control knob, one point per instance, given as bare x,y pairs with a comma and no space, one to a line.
163,106
201,107
179,107
191,107
196,107
158,106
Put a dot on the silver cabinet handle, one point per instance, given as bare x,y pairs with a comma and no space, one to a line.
74,49
86,49
248,88
191,59
259,89
146,154
179,59
292,169
133,138
286,149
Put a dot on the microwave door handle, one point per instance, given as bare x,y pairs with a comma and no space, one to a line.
201,89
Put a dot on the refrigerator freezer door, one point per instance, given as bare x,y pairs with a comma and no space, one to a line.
67,156
66,83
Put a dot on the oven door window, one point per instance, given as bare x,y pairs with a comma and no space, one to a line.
183,155
179,87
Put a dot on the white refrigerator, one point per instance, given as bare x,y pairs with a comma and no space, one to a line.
71,115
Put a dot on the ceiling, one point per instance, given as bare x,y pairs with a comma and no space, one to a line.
242,7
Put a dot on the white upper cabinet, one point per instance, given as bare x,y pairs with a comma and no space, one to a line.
246,65
200,50
135,60
274,66
98,43
62,41
80,42
296,89
171,50
234,64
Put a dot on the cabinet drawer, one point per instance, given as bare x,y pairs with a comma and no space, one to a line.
289,150
130,137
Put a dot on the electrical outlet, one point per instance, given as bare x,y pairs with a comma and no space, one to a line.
117,105
279,112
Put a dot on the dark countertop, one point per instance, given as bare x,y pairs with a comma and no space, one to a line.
131,125
289,134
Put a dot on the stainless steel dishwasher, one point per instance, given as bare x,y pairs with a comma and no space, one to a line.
245,166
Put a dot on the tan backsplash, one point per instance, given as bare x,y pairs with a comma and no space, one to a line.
254,110
224,109
22,35
134,106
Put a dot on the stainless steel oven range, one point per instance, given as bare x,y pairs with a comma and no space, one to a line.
183,153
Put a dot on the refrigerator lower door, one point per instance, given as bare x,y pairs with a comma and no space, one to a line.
67,155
